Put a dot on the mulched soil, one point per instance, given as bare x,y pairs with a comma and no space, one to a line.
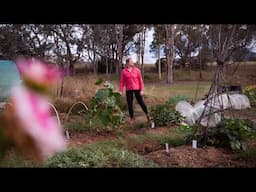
141,131
145,147
186,156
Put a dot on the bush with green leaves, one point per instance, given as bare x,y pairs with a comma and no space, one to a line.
105,108
162,64
99,81
175,99
164,115
250,92
99,157
231,133
187,130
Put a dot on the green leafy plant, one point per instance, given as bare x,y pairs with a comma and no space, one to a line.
106,112
185,128
98,81
230,133
250,92
236,131
165,115
174,100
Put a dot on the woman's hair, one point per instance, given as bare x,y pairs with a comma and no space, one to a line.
127,60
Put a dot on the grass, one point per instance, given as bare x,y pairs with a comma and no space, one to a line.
76,126
15,160
173,138
99,154
186,88
106,145
139,124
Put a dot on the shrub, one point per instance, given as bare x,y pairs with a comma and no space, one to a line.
250,92
105,108
99,157
174,100
230,133
185,128
165,115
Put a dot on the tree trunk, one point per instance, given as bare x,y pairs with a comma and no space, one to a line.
71,68
200,64
69,54
139,50
118,58
62,88
95,64
142,65
184,60
112,53
159,63
121,63
70,60
189,64
142,52
107,69
119,40
170,43
138,58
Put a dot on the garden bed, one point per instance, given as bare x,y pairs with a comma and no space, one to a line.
209,157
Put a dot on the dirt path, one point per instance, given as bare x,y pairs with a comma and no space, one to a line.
77,139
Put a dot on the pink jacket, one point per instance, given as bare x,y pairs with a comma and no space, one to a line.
131,80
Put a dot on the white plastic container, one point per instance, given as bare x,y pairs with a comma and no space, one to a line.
166,147
152,124
67,135
194,144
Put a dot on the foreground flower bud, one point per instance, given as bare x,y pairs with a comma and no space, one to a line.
38,75
35,128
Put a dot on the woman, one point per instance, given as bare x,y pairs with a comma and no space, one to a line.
132,80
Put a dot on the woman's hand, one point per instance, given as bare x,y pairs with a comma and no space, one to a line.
141,93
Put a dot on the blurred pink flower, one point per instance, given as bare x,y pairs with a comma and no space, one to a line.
34,116
38,72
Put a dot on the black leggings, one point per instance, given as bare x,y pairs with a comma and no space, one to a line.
129,98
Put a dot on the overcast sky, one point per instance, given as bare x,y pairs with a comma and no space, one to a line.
148,57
